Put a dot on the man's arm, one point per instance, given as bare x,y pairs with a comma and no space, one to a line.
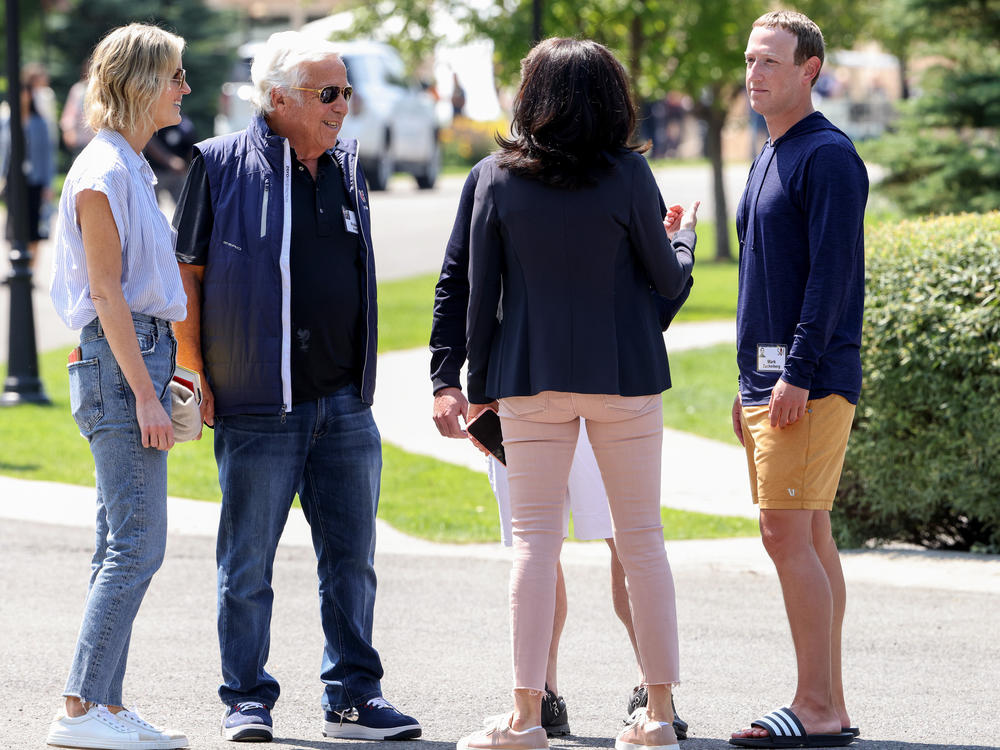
451,301
835,193
193,221
188,333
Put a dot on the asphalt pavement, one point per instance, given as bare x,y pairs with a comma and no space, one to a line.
921,650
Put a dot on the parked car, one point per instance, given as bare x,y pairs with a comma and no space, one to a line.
391,115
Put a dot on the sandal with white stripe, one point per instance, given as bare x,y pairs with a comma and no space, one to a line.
785,730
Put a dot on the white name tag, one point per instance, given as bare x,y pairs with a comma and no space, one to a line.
350,220
771,357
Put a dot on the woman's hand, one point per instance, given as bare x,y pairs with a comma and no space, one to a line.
474,411
154,424
690,218
672,222
677,218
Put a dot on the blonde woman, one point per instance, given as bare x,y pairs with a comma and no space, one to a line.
115,277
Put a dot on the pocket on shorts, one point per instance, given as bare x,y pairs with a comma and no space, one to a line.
524,406
630,404
85,401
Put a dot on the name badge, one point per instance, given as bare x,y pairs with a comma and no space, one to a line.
350,220
771,357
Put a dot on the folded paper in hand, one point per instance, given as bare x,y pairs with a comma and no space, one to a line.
185,402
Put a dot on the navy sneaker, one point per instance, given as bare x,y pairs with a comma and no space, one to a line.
249,721
555,720
638,700
377,719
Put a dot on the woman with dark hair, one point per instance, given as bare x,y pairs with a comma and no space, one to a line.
568,223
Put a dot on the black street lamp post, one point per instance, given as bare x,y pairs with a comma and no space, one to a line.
22,384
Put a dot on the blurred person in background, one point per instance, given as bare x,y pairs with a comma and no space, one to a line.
39,165
73,122
169,152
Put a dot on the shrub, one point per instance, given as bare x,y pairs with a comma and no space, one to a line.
466,141
923,465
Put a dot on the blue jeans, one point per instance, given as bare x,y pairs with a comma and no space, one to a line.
329,452
131,502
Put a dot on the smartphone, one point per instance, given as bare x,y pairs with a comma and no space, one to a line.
486,429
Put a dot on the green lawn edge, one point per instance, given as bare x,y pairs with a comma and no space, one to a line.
420,496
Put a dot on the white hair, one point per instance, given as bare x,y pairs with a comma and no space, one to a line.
279,64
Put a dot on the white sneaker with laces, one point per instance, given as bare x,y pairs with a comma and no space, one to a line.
152,737
98,728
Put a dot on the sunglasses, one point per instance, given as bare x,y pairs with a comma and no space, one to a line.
179,77
329,94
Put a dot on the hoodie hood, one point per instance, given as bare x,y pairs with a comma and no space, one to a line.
811,123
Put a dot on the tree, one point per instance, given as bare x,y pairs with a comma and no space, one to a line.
945,154
695,48
74,32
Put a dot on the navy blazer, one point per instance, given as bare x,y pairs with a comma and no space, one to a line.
575,267
451,295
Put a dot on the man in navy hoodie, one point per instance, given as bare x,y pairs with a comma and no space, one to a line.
801,299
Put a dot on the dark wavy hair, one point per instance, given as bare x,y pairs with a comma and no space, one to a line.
572,111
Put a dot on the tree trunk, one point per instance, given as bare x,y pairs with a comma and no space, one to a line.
636,51
714,120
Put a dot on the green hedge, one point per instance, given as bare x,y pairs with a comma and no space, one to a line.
923,464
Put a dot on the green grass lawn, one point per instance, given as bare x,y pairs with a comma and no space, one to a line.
701,397
420,496
405,306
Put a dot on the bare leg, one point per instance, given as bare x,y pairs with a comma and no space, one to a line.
619,597
558,622
808,595
75,707
527,709
659,706
829,556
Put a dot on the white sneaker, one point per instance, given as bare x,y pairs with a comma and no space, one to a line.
98,728
151,737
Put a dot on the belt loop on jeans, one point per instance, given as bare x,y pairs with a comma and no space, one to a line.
160,323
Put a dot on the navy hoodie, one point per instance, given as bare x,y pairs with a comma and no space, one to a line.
801,228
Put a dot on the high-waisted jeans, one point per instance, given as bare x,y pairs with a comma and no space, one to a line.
131,502
540,434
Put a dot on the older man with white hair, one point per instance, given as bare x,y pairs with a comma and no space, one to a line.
275,250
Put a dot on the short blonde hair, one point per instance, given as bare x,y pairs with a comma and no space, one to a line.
128,70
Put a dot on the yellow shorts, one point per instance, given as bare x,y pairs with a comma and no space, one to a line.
797,467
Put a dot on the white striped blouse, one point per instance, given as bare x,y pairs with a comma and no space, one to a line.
150,279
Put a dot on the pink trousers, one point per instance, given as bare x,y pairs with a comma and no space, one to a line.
540,434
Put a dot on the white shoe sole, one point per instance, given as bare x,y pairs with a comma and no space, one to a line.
358,732
66,740
621,745
463,744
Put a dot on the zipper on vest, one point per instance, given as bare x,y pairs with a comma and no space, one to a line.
263,208
283,412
